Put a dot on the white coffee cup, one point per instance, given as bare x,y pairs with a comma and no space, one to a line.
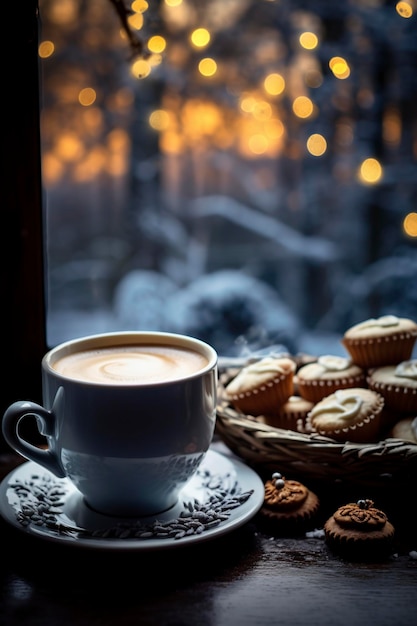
127,417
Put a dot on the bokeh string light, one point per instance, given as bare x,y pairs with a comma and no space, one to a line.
292,112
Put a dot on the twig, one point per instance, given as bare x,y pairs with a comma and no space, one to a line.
123,11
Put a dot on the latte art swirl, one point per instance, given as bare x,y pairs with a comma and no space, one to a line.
131,365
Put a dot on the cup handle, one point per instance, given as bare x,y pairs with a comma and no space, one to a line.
45,423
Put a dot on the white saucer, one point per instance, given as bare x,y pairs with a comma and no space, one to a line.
221,497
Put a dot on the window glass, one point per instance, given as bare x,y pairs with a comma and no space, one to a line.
240,170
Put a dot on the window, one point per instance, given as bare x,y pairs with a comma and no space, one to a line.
250,179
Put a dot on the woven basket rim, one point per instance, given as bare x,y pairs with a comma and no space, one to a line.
232,418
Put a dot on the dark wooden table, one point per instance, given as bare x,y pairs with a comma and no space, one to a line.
244,578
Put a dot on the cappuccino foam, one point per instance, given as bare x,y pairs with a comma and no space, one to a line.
131,365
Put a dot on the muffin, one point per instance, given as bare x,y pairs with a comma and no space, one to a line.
291,415
405,429
328,373
261,388
289,507
383,341
348,415
397,384
359,531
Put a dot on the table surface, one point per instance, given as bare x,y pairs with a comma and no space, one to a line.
246,577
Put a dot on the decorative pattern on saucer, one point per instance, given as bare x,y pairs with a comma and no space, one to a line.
289,506
328,373
397,384
42,498
359,530
260,388
383,341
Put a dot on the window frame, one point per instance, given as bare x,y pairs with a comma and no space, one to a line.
22,258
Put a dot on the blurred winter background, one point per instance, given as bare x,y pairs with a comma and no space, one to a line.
248,177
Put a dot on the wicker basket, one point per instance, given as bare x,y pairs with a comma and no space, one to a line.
312,457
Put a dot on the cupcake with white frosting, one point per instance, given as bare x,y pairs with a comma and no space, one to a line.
291,415
397,384
326,375
405,429
348,415
386,340
262,387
